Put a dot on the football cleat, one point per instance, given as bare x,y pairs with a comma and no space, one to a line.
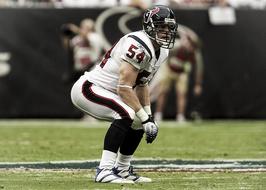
108,176
130,175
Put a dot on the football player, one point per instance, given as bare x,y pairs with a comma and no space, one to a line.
117,90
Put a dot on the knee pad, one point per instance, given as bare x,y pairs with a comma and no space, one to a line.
123,124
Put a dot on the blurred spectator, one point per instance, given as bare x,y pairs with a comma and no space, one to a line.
221,3
59,3
254,4
87,3
141,4
83,45
185,56
26,3
190,3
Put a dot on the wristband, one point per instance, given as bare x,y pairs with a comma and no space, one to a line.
147,109
142,115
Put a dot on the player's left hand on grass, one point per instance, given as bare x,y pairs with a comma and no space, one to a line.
151,129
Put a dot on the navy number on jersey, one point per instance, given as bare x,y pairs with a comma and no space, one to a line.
107,56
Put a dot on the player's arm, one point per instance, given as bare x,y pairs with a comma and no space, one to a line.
143,95
127,78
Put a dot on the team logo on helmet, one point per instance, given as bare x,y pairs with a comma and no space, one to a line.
149,14
154,11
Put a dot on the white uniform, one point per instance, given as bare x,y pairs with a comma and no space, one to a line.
96,91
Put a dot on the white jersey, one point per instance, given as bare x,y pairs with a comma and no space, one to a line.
135,48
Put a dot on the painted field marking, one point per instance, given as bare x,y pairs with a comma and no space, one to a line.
149,164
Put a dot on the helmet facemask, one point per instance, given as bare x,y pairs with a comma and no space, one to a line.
165,33
161,28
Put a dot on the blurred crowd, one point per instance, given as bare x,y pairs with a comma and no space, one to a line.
143,4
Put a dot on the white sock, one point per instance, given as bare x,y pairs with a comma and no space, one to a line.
158,116
108,159
180,117
123,161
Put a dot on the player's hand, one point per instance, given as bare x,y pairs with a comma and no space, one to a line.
151,129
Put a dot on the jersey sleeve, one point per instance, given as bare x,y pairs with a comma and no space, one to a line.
134,53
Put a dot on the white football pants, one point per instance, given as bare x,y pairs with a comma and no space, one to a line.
101,103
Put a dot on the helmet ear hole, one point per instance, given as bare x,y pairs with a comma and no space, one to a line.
172,26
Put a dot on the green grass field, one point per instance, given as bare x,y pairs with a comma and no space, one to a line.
55,140
47,180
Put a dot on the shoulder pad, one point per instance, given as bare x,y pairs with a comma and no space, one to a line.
135,51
